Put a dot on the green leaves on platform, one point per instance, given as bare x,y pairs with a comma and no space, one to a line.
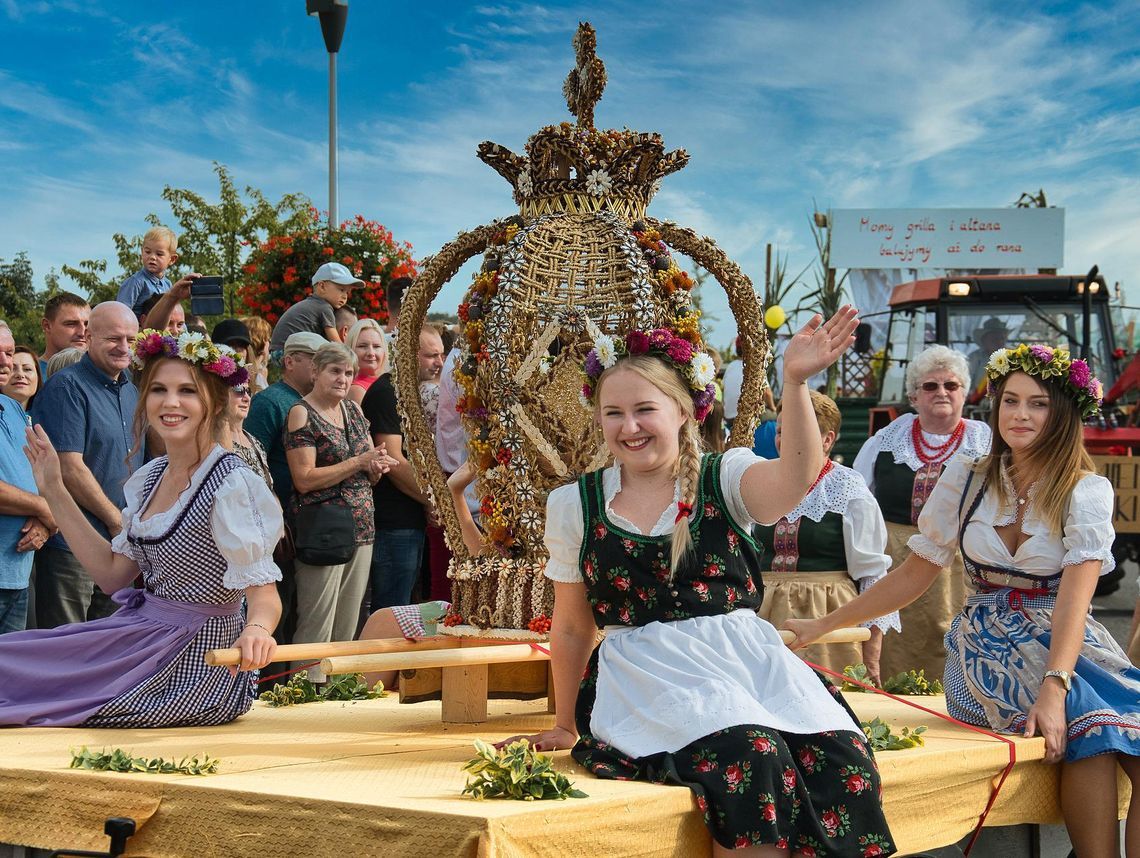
119,760
516,772
880,737
299,689
913,683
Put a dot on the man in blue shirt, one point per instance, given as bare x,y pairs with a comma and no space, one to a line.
25,520
87,411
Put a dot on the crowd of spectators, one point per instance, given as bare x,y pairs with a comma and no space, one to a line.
319,420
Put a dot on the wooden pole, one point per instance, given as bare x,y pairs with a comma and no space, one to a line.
314,651
416,660
469,655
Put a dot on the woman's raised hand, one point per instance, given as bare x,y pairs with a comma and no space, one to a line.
43,458
555,739
818,344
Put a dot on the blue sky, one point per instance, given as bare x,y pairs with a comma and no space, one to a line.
879,104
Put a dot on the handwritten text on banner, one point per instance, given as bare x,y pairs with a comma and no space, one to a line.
947,238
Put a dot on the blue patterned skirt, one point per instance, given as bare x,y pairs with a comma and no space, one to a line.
998,648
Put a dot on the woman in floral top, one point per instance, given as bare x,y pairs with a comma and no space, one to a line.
332,459
690,686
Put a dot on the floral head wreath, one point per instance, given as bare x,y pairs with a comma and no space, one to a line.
694,364
194,348
1044,362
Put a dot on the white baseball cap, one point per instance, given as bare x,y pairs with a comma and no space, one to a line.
337,273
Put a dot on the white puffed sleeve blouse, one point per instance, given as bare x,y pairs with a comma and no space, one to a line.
246,520
1088,532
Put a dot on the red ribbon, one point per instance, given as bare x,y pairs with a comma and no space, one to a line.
684,510
952,720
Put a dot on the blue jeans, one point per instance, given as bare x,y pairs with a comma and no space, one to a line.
13,609
396,558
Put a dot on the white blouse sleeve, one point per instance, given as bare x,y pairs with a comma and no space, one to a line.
565,528
865,544
937,537
133,493
247,524
733,464
1088,530
865,460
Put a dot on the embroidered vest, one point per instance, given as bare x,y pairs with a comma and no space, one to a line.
627,574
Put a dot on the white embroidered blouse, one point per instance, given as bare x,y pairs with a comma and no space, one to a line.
246,520
1088,532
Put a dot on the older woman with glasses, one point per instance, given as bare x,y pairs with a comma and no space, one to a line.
901,464
332,461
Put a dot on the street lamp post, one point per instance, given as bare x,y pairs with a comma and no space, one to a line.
333,15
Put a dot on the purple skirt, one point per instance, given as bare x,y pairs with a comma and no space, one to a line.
141,667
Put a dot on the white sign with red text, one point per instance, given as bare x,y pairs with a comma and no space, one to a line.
948,238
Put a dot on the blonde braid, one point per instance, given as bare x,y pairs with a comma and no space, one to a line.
689,473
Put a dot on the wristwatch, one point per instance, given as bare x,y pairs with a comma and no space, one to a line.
1063,675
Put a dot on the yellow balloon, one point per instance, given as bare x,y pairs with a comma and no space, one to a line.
775,316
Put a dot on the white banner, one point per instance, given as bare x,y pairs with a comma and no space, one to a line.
968,239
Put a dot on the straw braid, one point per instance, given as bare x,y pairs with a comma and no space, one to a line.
689,474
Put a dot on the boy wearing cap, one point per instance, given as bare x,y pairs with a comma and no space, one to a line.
332,284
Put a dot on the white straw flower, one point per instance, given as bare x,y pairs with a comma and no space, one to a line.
192,345
704,370
999,362
606,350
598,183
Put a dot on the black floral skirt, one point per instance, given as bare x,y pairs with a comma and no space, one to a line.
816,794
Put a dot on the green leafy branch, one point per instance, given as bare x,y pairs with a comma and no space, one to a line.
880,737
912,683
300,689
516,772
119,760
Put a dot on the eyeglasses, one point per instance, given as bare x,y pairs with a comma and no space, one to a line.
241,390
931,386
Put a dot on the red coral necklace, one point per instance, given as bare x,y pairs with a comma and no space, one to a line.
936,454
823,473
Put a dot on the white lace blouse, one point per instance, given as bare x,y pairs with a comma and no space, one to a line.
245,519
1088,532
895,438
843,492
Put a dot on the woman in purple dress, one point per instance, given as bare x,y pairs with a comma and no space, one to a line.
199,528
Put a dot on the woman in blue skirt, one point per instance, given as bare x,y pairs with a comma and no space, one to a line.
1034,524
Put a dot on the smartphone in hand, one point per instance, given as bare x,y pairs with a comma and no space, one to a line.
206,297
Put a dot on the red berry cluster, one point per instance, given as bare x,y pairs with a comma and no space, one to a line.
540,625
453,620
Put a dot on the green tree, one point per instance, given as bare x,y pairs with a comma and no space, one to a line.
90,277
19,301
777,286
213,238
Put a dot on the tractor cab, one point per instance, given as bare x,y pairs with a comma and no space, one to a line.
978,314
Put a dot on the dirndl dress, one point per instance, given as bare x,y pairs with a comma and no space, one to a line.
691,687
998,645
144,665
821,555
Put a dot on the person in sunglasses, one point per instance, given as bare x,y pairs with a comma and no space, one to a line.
901,464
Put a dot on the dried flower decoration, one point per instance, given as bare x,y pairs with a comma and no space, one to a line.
1044,362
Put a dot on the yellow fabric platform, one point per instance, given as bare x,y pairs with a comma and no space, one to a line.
378,778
